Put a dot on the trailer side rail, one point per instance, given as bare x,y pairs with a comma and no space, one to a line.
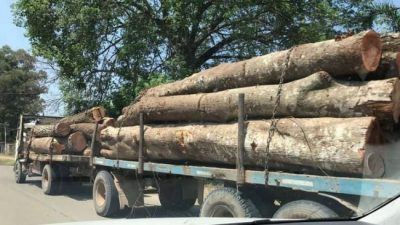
59,158
383,188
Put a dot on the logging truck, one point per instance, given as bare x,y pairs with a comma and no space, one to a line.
53,168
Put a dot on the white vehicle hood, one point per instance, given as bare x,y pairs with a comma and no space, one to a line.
165,221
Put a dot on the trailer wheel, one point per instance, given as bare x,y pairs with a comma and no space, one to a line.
105,194
49,182
178,194
304,209
227,202
20,176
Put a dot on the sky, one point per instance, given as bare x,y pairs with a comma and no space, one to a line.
14,37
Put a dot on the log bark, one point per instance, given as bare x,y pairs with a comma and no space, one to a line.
44,144
89,116
86,128
110,154
56,130
317,95
108,122
329,144
390,42
388,67
358,54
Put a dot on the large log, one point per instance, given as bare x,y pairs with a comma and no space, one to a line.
358,54
56,130
330,144
89,116
45,144
317,95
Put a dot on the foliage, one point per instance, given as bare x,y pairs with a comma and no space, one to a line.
107,49
20,85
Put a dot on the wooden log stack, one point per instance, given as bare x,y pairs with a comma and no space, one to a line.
70,135
338,100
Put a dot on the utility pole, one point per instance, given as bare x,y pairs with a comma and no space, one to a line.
5,124
5,136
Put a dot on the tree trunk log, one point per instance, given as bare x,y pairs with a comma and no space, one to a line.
89,116
44,144
331,144
358,54
317,95
88,128
56,130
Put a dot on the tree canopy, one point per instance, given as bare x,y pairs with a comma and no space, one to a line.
20,85
108,50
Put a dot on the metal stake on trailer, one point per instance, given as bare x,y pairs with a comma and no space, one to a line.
141,140
241,138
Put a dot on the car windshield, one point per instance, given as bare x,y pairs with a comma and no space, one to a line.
159,109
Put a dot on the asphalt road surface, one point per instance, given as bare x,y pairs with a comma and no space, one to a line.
25,204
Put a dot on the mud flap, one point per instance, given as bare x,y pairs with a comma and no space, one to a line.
130,191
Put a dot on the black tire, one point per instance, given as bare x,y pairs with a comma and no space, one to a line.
304,209
20,176
105,194
228,202
49,180
178,194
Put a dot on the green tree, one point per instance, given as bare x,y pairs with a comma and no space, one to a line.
107,48
20,85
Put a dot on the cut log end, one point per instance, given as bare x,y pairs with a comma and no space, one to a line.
87,152
62,129
98,113
374,165
371,48
78,141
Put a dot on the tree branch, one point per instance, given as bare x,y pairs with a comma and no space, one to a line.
211,51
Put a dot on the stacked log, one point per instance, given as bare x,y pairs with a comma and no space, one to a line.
358,55
70,135
337,100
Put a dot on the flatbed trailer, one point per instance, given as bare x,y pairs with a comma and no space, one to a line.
261,194
53,169
241,192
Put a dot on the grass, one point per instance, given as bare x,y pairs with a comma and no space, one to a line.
6,160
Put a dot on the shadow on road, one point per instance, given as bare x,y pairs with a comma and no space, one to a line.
152,211
71,189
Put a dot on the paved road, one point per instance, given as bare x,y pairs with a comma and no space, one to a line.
25,204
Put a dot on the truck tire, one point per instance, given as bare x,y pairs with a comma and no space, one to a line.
228,202
304,209
49,180
105,194
20,176
178,194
